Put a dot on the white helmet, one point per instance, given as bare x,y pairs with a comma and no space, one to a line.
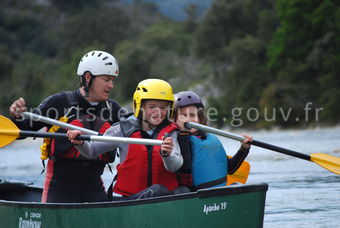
98,63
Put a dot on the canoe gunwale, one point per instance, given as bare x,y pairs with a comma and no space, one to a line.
203,193
233,189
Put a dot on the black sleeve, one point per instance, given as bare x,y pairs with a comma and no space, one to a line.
52,107
235,162
185,146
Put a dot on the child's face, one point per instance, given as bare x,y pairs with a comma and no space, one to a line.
155,111
187,114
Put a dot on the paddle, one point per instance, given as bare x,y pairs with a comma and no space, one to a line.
10,132
240,175
331,163
61,124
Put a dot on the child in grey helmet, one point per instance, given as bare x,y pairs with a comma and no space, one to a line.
205,162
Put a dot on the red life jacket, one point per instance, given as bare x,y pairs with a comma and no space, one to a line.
144,167
72,152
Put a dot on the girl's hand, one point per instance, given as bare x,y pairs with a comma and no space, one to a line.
167,146
72,134
245,145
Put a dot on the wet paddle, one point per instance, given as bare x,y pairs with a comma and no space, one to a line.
331,163
10,132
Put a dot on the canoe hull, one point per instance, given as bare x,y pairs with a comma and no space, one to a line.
233,206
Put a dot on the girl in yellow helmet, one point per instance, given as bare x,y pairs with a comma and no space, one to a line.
143,167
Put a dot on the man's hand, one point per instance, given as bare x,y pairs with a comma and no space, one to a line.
17,108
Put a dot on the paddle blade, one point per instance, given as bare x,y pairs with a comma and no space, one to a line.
8,131
6,139
327,161
241,174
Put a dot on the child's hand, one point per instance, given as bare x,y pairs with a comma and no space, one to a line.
72,134
246,143
167,146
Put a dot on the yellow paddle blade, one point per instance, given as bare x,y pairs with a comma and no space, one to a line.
241,174
327,161
8,131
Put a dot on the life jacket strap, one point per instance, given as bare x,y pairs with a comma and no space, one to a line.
110,189
45,147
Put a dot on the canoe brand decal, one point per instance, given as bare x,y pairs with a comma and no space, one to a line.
215,207
31,220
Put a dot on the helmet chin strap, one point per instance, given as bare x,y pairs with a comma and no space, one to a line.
149,125
140,117
87,86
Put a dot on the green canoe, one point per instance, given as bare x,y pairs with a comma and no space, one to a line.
230,206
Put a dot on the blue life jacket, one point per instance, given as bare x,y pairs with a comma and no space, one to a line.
209,162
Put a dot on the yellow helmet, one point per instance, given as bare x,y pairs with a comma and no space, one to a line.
154,89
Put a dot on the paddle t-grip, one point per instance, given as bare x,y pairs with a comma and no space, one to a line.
187,125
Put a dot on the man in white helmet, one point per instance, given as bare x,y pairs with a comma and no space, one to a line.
70,177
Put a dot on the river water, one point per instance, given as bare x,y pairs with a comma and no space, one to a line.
300,194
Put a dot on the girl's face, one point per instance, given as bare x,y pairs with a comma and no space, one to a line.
187,114
154,111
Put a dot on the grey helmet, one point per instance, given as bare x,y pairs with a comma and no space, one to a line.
186,98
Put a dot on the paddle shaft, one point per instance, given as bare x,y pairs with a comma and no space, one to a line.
282,150
92,137
51,121
153,142
51,135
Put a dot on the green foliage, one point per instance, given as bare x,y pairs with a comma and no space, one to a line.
92,27
304,56
30,74
167,35
159,53
225,21
25,38
74,5
233,38
242,55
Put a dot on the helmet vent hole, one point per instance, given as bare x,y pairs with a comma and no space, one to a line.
145,90
179,99
100,54
189,97
93,53
105,58
108,63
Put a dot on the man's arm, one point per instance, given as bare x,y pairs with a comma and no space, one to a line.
52,107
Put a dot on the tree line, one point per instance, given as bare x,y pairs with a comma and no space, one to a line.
256,63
